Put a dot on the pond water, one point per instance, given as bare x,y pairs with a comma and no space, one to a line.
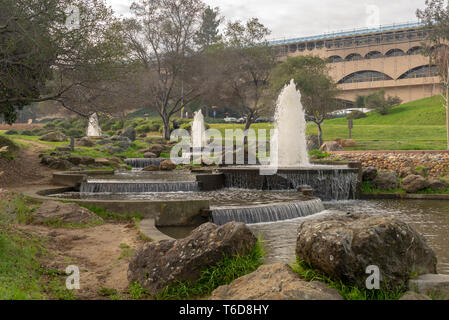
431,218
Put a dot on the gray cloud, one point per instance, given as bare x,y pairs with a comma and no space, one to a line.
295,18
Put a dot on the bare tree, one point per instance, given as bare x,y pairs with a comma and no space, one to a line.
162,38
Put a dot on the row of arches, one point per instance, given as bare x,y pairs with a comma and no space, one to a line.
376,55
371,75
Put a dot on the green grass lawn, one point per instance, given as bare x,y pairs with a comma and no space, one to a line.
417,125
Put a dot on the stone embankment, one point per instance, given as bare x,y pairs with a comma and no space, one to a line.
436,163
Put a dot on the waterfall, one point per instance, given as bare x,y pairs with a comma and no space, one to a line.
289,147
327,184
198,132
93,128
267,213
137,187
143,162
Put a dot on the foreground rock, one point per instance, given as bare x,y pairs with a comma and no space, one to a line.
386,181
437,184
343,246
51,211
411,295
167,165
431,284
413,183
54,136
274,282
156,265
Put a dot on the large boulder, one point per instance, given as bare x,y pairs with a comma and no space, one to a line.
413,183
130,133
437,184
331,146
85,142
344,245
60,164
369,174
274,282
346,142
313,142
156,265
63,212
386,181
54,136
151,167
156,149
149,155
167,165
431,284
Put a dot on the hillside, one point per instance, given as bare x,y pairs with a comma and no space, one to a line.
427,111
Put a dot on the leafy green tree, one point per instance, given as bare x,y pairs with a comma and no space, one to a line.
208,34
378,102
318,90
43,57
435,17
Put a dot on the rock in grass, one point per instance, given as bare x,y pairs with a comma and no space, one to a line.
54,136
343,246
386,181
413,183
411,295
431,284
274,282
167,165
65,213
437,184
369,174
156,265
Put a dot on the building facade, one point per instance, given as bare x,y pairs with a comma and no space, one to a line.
366,60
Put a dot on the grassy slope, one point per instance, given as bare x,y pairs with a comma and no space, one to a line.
417,125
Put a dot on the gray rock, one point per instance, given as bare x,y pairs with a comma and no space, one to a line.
60,164
156,149
158,264
149,155
167,165
130,133
63,212
85,142
54,136
274,282
411,295
437,184
413,183
331,146
431,284
386,181
343,246
369,174
313,142
104,141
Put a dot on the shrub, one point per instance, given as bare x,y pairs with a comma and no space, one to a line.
11,132
27,133
74,132
356,114
118,125
143,128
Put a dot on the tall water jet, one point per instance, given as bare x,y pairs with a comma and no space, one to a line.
288,145
93,128
198,132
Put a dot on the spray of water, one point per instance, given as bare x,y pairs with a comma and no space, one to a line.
93,128
198,131
289,147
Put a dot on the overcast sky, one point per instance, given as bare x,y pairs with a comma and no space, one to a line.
297,18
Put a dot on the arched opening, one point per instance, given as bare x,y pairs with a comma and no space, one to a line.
414,50
320,44
311,46
353,57
373,55
420,72
301,46
394,53
293,48
365,76
334,59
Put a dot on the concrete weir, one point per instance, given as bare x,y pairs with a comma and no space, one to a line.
327,182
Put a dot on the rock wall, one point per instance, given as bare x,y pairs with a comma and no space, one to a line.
437,162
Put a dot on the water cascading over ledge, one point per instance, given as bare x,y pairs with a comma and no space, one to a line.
333,183
140,163
137,187
267,213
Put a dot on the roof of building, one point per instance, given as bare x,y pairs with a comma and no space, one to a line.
354,32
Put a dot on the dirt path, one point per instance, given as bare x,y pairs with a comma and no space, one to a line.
101,253
25,169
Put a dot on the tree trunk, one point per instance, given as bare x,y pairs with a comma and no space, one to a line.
320,134
166,130
247,125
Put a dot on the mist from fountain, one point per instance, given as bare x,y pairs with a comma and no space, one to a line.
289,147
93,128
